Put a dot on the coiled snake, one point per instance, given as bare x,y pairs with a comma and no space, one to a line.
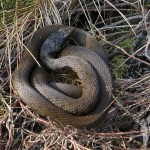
62,102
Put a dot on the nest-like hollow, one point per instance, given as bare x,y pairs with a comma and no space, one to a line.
123,29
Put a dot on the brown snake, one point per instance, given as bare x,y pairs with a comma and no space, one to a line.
84,106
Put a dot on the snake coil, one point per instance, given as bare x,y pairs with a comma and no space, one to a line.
84,106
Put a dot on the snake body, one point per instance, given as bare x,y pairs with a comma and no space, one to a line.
85,108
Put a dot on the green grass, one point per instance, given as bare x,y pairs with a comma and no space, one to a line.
9,9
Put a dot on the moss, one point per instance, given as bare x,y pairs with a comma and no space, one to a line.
127,43
119,68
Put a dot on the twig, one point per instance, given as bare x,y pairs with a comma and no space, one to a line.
42,121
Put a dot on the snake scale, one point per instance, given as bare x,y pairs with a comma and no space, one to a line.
57,47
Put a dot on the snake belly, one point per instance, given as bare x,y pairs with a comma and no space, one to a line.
86,57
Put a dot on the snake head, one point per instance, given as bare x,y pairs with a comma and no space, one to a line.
66,31
55,42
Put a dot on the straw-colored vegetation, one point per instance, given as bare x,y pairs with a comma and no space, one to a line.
123,27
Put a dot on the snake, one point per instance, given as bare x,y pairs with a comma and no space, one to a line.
57,47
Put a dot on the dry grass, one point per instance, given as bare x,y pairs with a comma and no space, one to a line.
111,22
